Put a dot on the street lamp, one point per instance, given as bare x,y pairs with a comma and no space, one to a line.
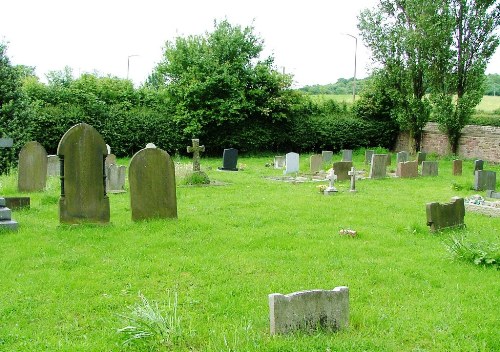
354,79
128,63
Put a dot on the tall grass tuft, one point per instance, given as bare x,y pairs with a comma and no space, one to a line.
147,323
479,253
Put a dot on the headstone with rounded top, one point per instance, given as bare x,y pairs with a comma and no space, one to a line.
150,145
152,185
478,165
32,169
83,193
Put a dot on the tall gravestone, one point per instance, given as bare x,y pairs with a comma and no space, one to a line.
346,155
430,168
291,163
229,160
457,167
196,149
32,169
315,162
478,165
327,156
83,192
440,216
368,156
378,167
485,180
152,185
342,169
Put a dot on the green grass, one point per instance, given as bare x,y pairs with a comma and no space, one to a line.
67,288
489,104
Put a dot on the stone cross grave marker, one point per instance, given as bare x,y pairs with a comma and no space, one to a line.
342,169
346,155
315,162
291,163
352,173
401,157
331,188
32,168
308,310
151,177
327,156
83,199
478,165
196,149
279,161
407,169
229,160
440,216
430,168
378,167
368,156
485,180
457,167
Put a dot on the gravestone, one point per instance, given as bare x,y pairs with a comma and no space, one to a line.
352,174
53,166
401,157
196,148
308,310
32,168
331,188
389,159
485,180
315,162
457,167
115,178
441,216
421,156
108,148
150,145
430,168
152,185
110,159
16,203
492,194
368,156
478,165
6,221
407,169
327,156
346,155
342,169
279,161
83,193
378,167
291,163
229,160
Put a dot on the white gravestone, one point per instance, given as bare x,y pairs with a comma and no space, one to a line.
291,163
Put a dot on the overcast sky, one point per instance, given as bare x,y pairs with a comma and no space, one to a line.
307,39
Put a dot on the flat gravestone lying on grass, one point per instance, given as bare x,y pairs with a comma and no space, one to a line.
152,185
485,180
441,216
32,169
309,310
83,194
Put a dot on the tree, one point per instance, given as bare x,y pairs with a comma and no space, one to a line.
458,75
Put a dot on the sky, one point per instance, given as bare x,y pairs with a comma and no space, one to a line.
123,37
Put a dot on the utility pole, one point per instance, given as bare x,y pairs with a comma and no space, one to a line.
128,63
355,65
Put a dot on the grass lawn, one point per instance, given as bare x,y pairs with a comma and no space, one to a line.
65,288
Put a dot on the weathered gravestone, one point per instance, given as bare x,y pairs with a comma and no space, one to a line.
196,148
478,165
6,221
309,310
352,174
457,167
150,145
378,167
115,178
315,162
421,156
16,203
291,163
346,155
331,188
32,169
110,159
401,157
430,168
342,169
492,194
440,216
485,180
229,160
327,156
279,161
368,156
389,159
407,169
83,193
53,166
152,185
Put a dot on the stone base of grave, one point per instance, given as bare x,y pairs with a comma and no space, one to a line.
225,169
330,190
483,209
115,191
9,224
6,221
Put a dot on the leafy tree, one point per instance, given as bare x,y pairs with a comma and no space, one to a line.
493,84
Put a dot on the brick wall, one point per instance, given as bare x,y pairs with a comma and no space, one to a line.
477,142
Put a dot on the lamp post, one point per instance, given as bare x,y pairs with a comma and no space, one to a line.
354,79
128,63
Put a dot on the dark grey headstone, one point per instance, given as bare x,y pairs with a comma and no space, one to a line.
342,169
401,157
421,156
346,155
83,194
229,160
152,185
478,165
378,167
32,169
430,168
485,180
440,216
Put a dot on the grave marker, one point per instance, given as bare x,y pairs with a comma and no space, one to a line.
152,185
378,167
279,161
478,165
196,148
492,194
441,216
430,168
421,156
229,160
342,169
291,163
53,166
115,178
16,203
308,310
327,156
368,156
32,169
331,189
401,157
407,169
83,193
352,173
457,167
110,159
315,162
485,180
346,155
6,221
